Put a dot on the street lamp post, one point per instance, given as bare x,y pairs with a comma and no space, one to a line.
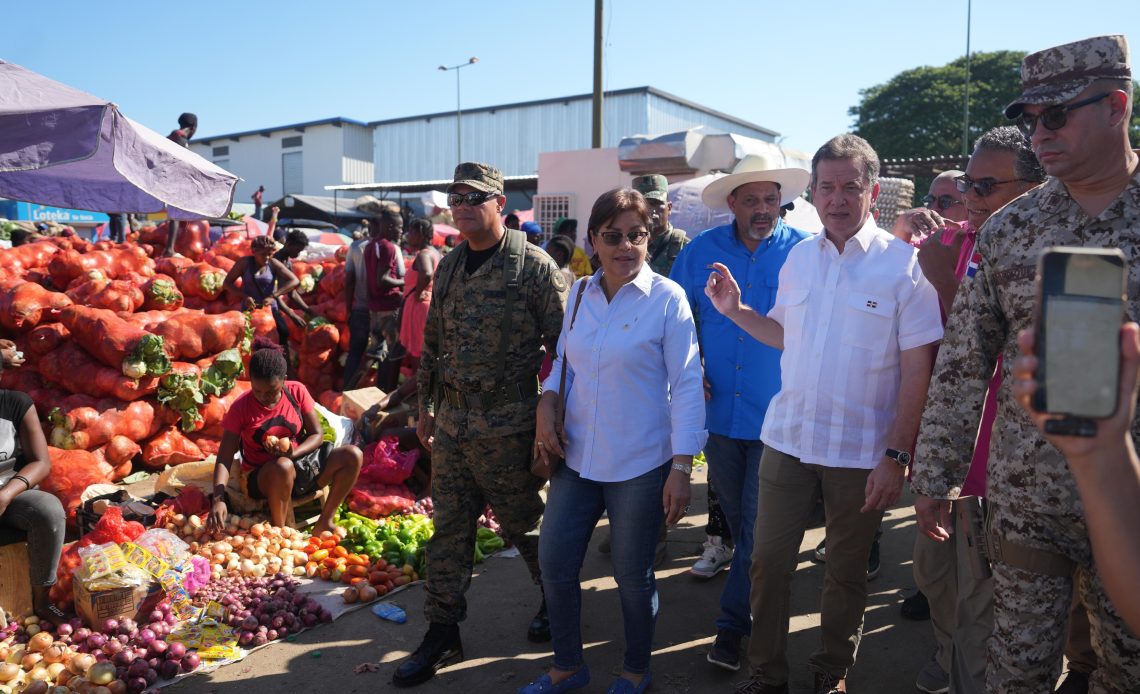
458,113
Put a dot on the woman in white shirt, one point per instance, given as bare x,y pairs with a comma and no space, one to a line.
635,417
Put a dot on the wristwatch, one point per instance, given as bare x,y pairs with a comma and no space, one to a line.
901,457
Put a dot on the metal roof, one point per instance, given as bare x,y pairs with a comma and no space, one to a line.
580,97
509,182
300,127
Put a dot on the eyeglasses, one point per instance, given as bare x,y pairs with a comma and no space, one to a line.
1054,117
472,199
941,203
983,186
613,238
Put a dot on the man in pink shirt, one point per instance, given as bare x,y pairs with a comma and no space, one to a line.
1001,168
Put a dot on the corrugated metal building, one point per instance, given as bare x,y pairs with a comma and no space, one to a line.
303,158
511,136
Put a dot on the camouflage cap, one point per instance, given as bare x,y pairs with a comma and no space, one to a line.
482,177
1058,74
654,186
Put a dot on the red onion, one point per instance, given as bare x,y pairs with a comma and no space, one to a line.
176,650
80,635
158,647
65,629
156,615
111,625
169,670
137,668
112,647
124,658
146,636
136,685
151,676
96,640
123,639
128,625
191,662
271,635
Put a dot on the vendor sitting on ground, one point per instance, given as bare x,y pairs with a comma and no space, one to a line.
24,463
275,428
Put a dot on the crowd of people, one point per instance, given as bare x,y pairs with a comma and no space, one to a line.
811,369
808,368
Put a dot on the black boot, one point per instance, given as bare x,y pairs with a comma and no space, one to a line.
539,629
441,647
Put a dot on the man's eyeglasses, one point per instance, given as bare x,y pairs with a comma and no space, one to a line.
1054,117
983,186
472,199
613,238
941,203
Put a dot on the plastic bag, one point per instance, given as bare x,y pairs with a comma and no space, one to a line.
385,462
165,545
341,427
100,560
377,500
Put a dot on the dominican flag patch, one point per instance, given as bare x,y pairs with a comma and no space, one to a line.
975,261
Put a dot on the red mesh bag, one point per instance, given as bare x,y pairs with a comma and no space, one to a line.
384,462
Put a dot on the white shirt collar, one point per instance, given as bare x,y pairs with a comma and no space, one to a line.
643,281
863,238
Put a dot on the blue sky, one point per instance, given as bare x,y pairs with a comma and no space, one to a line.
244,64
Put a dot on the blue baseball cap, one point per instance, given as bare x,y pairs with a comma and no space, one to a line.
530,228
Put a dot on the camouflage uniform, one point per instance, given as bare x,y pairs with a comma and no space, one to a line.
483,456
663,250
1033,497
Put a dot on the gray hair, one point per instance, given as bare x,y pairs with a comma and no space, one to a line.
1007,138
848,146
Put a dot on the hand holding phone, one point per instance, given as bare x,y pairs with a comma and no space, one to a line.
1080,308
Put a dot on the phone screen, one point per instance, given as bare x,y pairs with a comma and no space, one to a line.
1079,337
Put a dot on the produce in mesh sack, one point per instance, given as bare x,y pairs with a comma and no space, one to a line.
262,323
193,237
119,454
28,257
171,448
67,265
89,427
115,295
200,280
215,407
180,390
71,473
192,334
45,338
115,342
70,367
377,500
23,306
218,261
331,283
384,462
160,293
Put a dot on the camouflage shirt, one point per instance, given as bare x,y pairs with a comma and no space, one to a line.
663,250
1025,471
465,355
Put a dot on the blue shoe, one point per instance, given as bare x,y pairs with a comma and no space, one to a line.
623,686
544,685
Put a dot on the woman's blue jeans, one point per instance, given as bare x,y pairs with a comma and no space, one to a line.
573,507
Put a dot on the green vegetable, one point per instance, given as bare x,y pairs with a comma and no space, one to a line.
211,282
148,359
165,292
218,379
308,284
316,322
326,429
183,394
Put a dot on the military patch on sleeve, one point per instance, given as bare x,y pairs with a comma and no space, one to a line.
558,280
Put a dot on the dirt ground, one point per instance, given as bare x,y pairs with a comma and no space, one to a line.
502,600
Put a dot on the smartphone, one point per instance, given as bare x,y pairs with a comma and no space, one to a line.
1080,308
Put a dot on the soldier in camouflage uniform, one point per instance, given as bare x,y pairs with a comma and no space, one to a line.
1075,108
665,240
478,384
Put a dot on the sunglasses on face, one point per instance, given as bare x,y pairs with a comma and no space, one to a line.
940,203
983,186
1054,117
472,199
613,238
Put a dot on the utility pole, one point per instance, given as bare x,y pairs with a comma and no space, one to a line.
458,111
596,140
966,118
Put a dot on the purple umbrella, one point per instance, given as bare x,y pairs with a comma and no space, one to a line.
63,147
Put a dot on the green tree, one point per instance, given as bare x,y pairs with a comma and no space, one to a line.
918,113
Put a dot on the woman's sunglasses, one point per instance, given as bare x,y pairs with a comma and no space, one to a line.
983,186
472,199
1054,117
613,238
941,203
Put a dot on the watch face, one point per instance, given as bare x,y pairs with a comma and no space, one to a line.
904,458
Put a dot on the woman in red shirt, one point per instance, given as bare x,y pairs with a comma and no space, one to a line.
275,428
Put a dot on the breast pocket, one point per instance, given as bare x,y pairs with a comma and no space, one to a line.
869,322
793,304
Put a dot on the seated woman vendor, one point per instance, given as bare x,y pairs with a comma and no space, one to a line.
275,428
24,463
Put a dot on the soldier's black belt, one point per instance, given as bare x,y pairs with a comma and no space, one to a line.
489,400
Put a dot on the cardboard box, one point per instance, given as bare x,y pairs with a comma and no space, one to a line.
357,402
94,608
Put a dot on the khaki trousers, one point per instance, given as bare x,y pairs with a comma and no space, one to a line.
974,619
935,574
788,490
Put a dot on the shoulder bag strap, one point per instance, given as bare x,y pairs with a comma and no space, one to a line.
565,353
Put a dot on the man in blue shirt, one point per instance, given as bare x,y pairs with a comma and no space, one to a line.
741,374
